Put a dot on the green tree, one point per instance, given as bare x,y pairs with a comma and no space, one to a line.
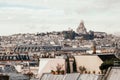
68,65
69,35
105,65
74,66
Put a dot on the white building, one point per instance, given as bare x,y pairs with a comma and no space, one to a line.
48,64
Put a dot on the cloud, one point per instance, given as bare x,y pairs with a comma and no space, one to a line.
48,15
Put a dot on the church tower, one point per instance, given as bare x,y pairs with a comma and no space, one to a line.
81,28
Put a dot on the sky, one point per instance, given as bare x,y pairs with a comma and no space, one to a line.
32,16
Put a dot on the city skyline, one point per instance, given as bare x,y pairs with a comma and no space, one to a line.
30,16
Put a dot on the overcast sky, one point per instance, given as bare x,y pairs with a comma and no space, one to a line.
29,16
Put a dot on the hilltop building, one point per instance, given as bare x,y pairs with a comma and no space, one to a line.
81,28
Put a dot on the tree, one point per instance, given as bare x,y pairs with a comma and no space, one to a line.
59,70
59,67
91,35
74,66
69,35
68,65
105,65
93,72
82,69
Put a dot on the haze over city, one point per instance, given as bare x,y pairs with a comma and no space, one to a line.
31,16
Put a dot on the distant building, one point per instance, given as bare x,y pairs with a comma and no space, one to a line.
15,58
81,28
36,48
100,34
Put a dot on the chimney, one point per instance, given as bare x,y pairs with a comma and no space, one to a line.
71,60
94,47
